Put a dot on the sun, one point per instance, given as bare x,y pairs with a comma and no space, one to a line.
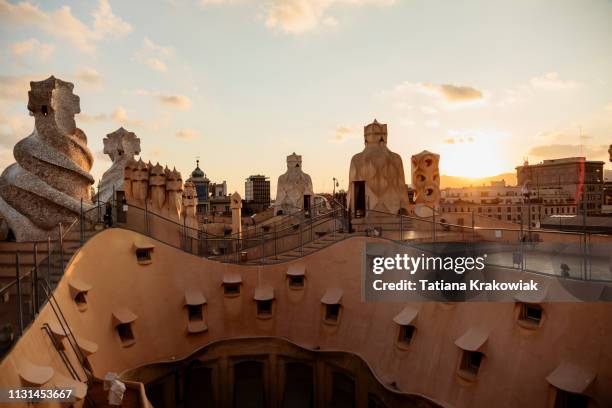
473,159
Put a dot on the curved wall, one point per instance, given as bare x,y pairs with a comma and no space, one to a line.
513,372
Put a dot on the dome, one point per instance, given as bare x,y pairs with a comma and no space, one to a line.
197,173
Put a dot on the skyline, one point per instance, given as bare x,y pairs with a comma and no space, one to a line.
305,76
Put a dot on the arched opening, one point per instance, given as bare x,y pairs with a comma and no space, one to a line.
249,388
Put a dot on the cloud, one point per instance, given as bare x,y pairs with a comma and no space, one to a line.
454,93
42,51
89,78
556,151
106,23
14,128
552,81
299,16
62,25
14,88
432,123
342,132
120,116
153,55
177,101
430,99
187,134
85,118
452,140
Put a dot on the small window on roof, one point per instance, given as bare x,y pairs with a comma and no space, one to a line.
332,312
231,289
406,333
471,361
231,284
143,255
195,312
295,276
264,308
81,300
79,291
124,318
564,399
264,296
125,333
530,315
332,308
296,282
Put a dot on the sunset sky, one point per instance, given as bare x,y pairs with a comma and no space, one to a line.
244,83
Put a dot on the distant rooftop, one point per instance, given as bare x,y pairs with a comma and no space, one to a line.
562,160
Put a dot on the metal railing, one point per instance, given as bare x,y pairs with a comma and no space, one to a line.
21,298
262,242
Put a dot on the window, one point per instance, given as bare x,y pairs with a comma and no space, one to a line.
564,399
471,361
406,333
296,282
332,312
231,289
331,305
530,315
143,255
195,312
81,300
125,333
264,308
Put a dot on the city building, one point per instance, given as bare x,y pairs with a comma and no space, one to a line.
498,200
581,178
256,194
201,183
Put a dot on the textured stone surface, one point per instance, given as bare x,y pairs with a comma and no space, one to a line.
236,206
190,202
292,186
426,178
382,170
51,176
121,146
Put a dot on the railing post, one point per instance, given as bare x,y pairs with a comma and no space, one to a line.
19,300
433,219
146,219
275,239
311,230
82,229
61,246
263,246
335,227
48,260
301,239
35,281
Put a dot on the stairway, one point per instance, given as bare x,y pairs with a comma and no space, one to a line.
308,248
